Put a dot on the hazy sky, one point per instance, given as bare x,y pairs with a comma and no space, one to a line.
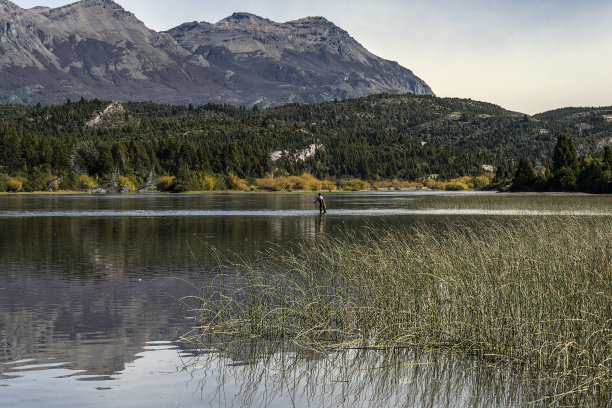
525,55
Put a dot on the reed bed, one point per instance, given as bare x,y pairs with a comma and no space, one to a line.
518,201
531,295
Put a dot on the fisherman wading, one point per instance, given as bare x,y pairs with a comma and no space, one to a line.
321,200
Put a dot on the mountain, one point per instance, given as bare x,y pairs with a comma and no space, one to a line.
96,49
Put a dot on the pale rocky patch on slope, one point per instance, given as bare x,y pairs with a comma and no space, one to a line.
300,155
603,143
111,111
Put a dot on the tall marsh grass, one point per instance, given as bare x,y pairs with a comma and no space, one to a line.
530,293
518,201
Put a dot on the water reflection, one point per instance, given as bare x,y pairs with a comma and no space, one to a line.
169,374
152,378
89,286
246,377
93,290
97,325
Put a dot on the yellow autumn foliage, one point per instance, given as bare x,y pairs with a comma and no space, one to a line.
124,184
236,183
306,182
209,183
14,185
328,185
455,186
164,183
354,185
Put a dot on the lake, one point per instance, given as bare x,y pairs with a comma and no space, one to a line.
90,290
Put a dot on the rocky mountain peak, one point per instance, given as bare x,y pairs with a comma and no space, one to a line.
99,19
7,8
246,21
96,9
243,18
311,21
103,3
97,49
320,29
110,6
98,5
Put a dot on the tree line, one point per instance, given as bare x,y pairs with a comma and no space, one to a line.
375,138
590,173
61,147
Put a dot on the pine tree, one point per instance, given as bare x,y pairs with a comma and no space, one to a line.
524,177
565,164
565,154
607,159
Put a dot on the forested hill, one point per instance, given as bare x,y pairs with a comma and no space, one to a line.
464,123
375,137
574,114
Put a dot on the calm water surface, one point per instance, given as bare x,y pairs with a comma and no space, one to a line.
90,313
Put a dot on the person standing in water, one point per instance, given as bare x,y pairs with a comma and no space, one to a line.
321,200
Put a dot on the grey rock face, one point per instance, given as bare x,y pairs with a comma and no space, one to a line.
94,48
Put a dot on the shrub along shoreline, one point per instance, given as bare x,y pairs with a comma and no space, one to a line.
218,182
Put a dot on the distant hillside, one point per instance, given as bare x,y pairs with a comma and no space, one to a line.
591,128
572,114
96,49
464,123
374,137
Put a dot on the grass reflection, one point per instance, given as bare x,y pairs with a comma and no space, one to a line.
253,373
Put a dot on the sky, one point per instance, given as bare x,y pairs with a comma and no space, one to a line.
528,56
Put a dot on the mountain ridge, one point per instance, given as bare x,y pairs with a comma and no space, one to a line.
97,49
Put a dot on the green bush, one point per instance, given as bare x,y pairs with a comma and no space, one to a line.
35,181
4,178
77,182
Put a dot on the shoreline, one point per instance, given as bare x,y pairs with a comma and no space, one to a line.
424,190
89,193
